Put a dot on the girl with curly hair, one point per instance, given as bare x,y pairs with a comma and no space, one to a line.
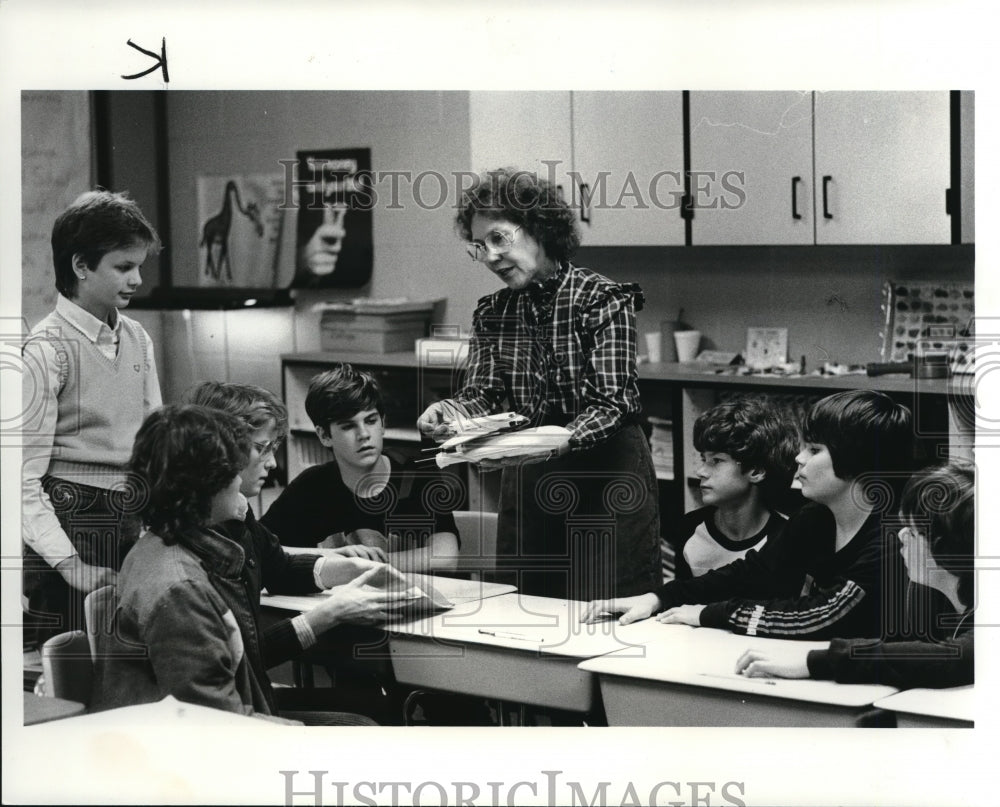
185,621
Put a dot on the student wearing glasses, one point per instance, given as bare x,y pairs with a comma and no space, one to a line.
558,345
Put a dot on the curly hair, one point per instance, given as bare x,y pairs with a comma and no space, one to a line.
755,433
340,393
96,223
941,500
184,455
865,432
524,199
255,406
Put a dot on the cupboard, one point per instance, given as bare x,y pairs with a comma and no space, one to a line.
765,168
825,167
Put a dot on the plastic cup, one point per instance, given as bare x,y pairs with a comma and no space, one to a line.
687,343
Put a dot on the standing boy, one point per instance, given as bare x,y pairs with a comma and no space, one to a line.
831,572
90,379
747,451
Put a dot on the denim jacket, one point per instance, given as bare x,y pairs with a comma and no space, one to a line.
184,626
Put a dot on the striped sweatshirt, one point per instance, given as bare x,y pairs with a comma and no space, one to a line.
798,587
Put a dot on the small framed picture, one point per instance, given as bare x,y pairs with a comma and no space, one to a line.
766,347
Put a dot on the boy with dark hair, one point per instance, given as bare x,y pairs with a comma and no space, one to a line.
364,496
747,450
90,380
831,572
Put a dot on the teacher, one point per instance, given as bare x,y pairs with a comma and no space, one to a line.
557,345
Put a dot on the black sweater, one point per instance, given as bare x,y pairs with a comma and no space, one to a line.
903,664
798,587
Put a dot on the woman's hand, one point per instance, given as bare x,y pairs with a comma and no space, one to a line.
785,662
632,609
541,455
438,420
682,615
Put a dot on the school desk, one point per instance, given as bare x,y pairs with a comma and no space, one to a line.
517,648
38,709
676,675
932,708
168,712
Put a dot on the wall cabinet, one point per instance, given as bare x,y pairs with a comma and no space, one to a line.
619,157
628,164
824,167
765,138
525,130
882,167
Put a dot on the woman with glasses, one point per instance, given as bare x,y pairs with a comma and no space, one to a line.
557,344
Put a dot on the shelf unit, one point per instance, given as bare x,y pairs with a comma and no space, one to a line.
677,393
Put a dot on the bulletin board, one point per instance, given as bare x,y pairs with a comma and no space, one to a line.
928,316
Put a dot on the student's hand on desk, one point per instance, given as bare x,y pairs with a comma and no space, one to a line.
84,577
360,602
339,570
632,609
682,615
374,553
787,662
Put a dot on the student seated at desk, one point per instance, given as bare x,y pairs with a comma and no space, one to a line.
267,564
183,599
830,571
365,498
747,450
938,548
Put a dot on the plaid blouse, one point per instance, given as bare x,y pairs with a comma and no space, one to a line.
562,351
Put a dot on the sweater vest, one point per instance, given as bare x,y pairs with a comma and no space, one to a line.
100,402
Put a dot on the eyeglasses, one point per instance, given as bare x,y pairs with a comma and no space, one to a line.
495,240
269,447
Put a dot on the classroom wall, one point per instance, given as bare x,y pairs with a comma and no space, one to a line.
55,168
828,297
416,251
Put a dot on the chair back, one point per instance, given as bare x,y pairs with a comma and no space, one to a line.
68,667
98,615
477,533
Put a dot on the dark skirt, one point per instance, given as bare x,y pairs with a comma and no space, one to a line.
102,526
582,526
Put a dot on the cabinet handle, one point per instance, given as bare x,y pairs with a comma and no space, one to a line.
585,202
826,202
795,197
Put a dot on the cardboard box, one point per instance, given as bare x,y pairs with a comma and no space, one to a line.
372,333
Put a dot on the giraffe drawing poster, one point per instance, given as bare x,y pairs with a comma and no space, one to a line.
240,230
334,200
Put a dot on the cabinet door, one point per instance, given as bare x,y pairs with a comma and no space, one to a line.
628,167
751,163
884,158
524,130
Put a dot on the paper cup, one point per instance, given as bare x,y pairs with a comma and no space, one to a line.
687,344
653,344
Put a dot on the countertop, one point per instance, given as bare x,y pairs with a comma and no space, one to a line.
694,374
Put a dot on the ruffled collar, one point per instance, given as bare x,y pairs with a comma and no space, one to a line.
544,292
